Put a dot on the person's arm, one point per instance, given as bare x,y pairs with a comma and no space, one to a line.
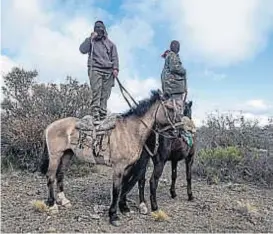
115,58
176,65
85,47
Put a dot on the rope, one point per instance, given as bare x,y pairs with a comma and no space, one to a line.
122,89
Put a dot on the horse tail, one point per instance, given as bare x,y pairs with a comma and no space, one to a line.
45,157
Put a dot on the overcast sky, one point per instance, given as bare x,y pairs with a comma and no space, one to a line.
226,46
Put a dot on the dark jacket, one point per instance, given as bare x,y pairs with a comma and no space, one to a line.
173,75
105,55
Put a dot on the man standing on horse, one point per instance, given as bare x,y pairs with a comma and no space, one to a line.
103,67
173,76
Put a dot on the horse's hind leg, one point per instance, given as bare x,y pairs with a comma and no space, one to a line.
174,176
51,176
141,189
189,162
63,166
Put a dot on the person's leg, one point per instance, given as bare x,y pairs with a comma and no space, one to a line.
107,84
96,89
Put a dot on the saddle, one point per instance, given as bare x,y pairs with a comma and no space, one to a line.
92,141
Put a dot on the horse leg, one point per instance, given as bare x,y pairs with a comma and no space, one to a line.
157,172
117,182
51,175
141,191
174,176
134,174
64,164
189,162
126,186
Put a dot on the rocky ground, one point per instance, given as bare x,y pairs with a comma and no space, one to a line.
216,208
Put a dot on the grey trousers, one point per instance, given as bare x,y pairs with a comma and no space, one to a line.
101,87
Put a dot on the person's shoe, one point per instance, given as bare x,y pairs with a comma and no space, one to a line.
96,120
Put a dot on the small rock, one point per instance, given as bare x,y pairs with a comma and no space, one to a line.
94,216
30,193
51,229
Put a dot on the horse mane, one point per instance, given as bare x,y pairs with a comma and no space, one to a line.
143,106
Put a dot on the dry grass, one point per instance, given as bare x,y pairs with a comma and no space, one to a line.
39,206
246,207
160,215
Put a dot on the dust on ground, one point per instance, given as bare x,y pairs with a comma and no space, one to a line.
225,207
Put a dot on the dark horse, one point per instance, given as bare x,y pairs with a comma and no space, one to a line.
170,149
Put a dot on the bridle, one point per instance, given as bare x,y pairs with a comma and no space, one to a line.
157,131
172,124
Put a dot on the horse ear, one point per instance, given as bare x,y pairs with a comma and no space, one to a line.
190,103
159,92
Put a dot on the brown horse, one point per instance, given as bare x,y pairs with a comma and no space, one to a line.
126,142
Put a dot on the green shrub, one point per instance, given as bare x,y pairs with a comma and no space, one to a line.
218,163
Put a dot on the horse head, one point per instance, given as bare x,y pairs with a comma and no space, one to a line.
168,111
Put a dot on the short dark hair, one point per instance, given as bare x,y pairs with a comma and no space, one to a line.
99,21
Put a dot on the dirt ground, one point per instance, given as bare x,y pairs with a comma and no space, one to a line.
224,207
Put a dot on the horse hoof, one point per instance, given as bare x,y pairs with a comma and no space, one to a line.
173,196
62,200
143,208
115,223
125,210
53,209
67,205
190,197
126,214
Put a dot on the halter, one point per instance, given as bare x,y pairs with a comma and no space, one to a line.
157,131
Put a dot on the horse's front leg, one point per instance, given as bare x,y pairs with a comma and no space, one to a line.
124,208
134,175
117,182
158,169
174,176
189,162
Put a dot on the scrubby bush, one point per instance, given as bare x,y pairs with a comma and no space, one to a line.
228,148
232,148
218,163
28,107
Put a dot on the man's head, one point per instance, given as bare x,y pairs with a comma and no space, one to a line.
100,29
175,46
